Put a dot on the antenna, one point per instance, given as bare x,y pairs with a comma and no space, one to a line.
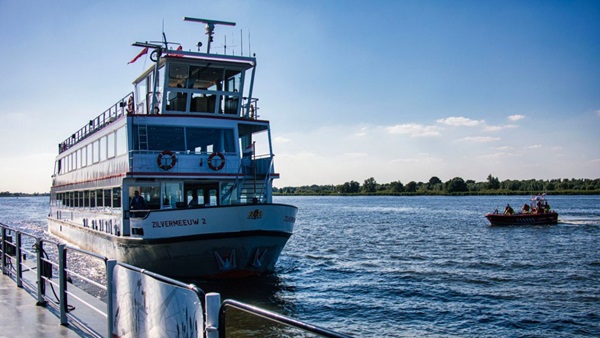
210,27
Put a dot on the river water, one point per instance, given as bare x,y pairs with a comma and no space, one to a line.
417,266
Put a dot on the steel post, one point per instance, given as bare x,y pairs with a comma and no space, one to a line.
213,306
110,290
18,259
62,281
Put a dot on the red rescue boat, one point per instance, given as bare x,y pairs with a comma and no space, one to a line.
538,212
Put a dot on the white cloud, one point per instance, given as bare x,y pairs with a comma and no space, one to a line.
497,156
280,139
356,154
362,132
414,130
498,128
480,139
516,117
459,121
505,148
535,146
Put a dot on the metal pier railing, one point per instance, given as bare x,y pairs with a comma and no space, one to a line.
94,295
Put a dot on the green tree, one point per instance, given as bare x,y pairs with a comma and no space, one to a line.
370,185
351,187
492,182
411,186
456,184
396,186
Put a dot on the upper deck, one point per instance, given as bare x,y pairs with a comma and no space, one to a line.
183,83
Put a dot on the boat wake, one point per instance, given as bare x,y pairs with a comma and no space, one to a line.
579,221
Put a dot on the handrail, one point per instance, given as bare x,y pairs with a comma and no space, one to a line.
112,113
43,278
272,316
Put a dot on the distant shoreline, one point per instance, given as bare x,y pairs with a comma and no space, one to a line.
506,193
22,194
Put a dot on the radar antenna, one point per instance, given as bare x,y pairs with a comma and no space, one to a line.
210,27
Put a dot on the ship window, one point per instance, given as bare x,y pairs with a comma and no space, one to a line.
110,143
83,157
165,138
102,148
121,141
86,198
212,197
93,198
178,73
96,151
116,197
99,198
208,140
172,194
107,197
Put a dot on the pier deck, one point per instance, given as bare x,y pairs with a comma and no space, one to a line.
21,317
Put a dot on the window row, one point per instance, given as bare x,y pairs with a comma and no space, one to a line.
98,198
192,139
109,146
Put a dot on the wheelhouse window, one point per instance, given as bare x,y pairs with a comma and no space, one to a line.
208,88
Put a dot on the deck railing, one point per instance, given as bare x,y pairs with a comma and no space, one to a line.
93,296
111,114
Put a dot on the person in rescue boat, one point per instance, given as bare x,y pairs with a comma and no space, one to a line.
508,210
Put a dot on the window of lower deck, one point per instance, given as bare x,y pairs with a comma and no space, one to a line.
116,197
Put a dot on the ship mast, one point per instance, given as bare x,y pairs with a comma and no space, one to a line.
210,27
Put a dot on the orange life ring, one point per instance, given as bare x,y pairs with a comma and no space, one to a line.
167,163
212,166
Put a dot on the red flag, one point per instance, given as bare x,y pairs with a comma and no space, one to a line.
143,52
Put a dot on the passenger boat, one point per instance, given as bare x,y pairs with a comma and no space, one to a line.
538,212
176,177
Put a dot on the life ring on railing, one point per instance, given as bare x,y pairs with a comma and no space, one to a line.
210,161
166,163
129,108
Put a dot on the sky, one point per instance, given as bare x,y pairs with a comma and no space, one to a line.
394,90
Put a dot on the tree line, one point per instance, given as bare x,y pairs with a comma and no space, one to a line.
455,186
21,194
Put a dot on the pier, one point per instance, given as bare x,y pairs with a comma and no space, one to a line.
42,295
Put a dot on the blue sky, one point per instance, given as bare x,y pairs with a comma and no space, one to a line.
395,90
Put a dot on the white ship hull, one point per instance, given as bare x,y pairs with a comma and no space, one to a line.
212,242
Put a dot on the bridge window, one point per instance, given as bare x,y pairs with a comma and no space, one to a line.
165,138
205,140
